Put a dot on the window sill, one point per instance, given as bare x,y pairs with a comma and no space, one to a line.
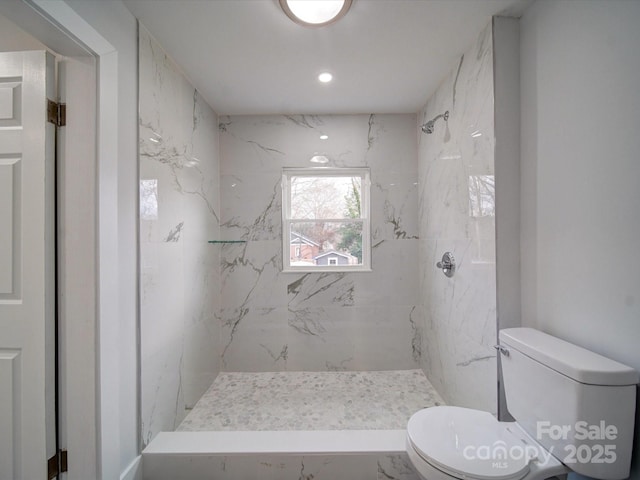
327,270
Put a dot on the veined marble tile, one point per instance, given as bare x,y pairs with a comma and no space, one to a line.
398,259
289,467
457,214
180,271
396,467
312,401
252,206
396,342
321,338
251,275
391,143
266,143
298,467
162,352
394,212
254,339
318,321
161,302
165,221
201,360
320,289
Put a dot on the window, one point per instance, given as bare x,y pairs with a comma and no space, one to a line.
325,220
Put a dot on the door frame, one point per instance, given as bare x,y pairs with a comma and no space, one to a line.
102,458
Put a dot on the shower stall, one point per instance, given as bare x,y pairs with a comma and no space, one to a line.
238,355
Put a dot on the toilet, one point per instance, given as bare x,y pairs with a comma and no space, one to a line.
574,410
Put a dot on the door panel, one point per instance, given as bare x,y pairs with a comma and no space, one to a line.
10,221
9,407
10,144
27,266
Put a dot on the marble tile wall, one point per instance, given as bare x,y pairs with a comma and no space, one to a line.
274,321
179,213
456,213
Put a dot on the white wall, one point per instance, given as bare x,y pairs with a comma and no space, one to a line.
15,39
580,172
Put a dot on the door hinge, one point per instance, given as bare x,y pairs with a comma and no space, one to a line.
57,464
56,113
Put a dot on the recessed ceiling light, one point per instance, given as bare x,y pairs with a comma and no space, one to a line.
324,137
325,77
315,13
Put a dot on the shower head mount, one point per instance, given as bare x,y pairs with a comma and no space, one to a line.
428,127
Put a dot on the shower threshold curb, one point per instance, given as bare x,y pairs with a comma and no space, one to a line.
317,442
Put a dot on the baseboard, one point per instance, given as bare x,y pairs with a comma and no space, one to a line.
134,470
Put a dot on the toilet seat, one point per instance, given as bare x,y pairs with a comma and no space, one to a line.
466,443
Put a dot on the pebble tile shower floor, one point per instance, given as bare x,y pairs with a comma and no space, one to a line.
311,401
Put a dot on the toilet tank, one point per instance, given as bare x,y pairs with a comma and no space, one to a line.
577,404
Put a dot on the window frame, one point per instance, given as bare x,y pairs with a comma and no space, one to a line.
365,218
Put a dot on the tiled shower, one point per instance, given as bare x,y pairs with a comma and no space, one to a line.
213,296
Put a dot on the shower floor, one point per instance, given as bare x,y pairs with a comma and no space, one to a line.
311,401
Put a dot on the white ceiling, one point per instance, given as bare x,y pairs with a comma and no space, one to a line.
248,57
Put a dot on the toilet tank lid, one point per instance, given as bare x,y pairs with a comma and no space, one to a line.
571,360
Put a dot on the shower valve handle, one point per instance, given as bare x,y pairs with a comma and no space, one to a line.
447,265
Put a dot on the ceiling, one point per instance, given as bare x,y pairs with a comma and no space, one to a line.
386,56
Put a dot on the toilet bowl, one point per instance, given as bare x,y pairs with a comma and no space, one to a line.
590,393
446,443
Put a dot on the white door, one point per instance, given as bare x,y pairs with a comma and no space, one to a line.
27,266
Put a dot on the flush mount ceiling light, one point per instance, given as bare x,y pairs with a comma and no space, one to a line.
315,13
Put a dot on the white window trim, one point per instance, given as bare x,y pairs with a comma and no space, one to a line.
362,172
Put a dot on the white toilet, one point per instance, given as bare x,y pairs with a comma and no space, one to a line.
574,411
